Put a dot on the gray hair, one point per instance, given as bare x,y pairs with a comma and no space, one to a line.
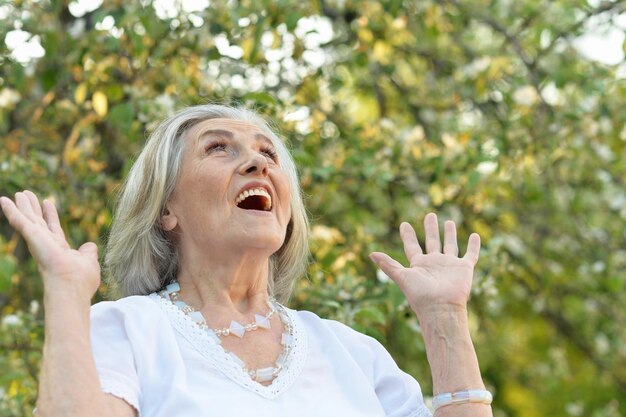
140,258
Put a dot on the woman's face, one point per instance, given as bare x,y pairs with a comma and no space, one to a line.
232,193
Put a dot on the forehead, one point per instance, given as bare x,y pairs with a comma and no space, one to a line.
230,127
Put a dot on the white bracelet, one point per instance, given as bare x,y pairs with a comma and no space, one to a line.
461,397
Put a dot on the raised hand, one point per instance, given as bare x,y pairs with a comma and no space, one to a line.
63,269
436,278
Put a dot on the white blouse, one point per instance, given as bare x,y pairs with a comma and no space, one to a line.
149,353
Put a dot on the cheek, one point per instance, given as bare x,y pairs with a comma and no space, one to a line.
198,198
286,198
206,185
287,212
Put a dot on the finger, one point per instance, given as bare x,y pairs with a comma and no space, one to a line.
17,218
473,248
23,205
51,216
431,227
90,249
5,203
389,266
450,246
12,213
34,202
412,246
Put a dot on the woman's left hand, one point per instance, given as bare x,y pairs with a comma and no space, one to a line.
435,279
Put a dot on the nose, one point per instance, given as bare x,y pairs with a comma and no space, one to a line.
254,163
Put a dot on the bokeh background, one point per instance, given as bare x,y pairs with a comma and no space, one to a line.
506,116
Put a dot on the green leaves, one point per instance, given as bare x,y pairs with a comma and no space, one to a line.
8,267
482,111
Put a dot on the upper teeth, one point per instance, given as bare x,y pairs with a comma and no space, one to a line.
256,191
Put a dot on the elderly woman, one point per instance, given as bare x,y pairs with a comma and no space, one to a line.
209,235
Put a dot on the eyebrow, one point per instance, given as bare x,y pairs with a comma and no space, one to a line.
229,135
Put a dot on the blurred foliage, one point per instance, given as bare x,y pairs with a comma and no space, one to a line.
481,110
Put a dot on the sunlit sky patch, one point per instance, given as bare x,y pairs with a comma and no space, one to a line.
603,39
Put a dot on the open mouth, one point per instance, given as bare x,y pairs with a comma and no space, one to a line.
254,199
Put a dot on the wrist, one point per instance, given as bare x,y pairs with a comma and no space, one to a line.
70,287
476,396
438,308
449,349
66,298
443,316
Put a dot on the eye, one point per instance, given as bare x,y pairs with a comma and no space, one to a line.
215,146
270,152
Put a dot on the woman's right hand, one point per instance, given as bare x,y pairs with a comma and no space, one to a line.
65,271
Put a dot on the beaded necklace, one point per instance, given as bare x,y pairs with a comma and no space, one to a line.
237,329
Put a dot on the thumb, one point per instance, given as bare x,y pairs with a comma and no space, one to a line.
90,249
388,265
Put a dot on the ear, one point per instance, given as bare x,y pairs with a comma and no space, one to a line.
168,219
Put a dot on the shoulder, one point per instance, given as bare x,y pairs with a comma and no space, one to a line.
341,330
118,337
353,341
138,311
128,305
398,392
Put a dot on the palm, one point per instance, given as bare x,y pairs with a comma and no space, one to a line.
439,277
436,277
60,265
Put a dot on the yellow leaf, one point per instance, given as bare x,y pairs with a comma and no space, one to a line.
416,151
276,40
499,67
521,398
81,93
103,218
72,155
13,389
365,35
100,103
436,194
96,166
247,45
382,52
482,229
406,73
508,220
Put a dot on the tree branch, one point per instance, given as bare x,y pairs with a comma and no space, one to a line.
380,96
534,72
602,8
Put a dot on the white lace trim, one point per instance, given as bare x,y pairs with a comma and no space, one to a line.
225,363
119,386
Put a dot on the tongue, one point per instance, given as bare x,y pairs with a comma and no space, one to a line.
253,202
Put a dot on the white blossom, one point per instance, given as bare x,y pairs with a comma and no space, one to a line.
11,320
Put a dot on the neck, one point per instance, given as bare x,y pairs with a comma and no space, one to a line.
236,284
